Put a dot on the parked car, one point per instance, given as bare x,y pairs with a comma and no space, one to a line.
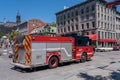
103,49
116,47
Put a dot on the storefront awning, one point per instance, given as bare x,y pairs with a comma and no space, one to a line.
92,36
107,40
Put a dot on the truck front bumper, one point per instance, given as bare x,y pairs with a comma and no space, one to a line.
20,65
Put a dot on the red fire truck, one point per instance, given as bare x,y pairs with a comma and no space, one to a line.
32,51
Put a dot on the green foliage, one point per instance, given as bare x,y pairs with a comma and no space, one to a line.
1,34
53,24
12,34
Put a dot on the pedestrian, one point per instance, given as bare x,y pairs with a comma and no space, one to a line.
6,44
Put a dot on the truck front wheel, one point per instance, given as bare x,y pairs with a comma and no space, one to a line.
53,62
83,57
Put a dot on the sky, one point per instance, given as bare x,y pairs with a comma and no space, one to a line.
40,9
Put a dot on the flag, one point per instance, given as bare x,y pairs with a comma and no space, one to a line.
110,4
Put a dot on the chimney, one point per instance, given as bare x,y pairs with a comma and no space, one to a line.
65,7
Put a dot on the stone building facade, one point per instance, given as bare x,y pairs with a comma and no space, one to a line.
91,17
7,26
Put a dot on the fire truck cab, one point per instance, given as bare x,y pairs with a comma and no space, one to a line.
32,51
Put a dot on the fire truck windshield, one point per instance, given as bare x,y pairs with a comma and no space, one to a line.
82,41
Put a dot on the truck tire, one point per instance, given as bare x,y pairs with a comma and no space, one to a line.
53,62
83,57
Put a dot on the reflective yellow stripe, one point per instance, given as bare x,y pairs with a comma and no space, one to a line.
27,48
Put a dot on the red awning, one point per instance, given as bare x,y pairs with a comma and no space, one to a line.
107,40
92,36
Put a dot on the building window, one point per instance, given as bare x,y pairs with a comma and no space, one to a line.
64,29
93,32
87,33
98,34
111,18
93,15
61,30
98,23
87,25
72,28
101,9
93,24
98,15
42,30
72,20
108,26
108,18
87,17
105,25
76,13
98,7
105,10
58,24
52,30
72,14
87,9
102,34
68,28
111,35
58,31
101,24
83,32
105,17
82,11
64,22
76,19
68,22
111,27
93,7
61,23
82,26
82,18
102,16
60,18
108,35
68,15
76,27
105,34
64,17
116,27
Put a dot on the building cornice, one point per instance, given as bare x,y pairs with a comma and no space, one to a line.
80,4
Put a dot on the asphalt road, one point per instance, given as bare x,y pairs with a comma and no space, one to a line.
103,66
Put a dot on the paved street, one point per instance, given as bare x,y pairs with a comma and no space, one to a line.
104,66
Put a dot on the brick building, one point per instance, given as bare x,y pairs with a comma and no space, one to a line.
29,25
91,17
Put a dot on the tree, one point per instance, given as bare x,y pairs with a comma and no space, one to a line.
12,34
53,24
1,34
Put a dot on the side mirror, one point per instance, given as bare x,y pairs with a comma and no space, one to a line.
90,42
